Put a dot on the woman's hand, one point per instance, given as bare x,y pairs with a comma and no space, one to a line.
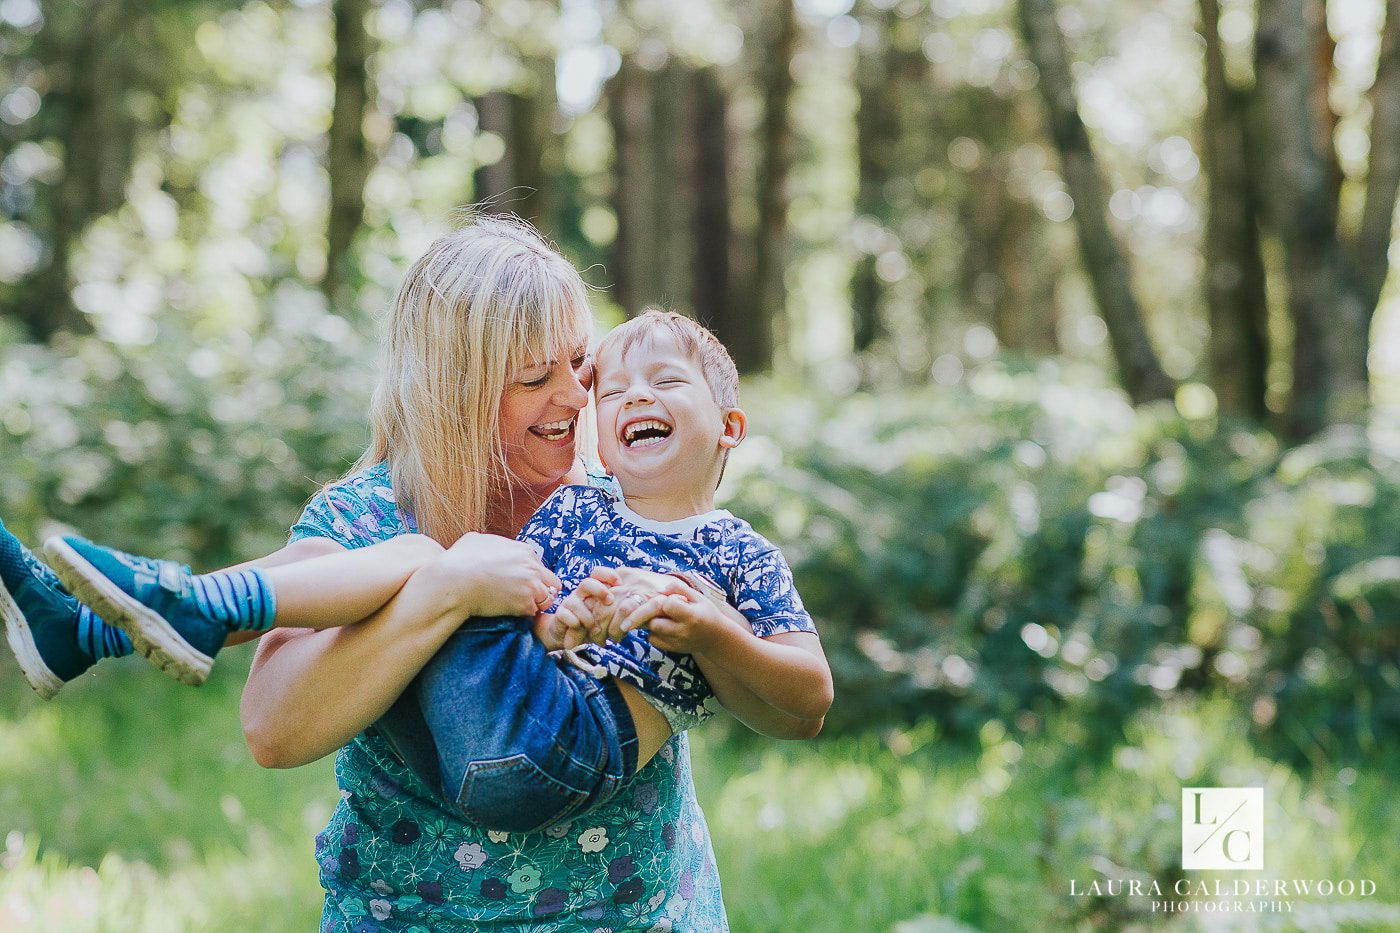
497,576
625,598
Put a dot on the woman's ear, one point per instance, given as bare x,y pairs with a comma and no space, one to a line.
736,427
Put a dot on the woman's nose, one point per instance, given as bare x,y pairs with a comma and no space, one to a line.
574,393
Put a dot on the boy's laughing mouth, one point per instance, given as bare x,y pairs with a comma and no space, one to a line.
553,430
644,432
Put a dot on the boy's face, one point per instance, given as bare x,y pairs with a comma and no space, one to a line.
660,431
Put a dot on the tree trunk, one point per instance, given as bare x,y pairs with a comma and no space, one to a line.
709,181
877,129
1026,315
1370,256
1235,289
492,182
348,158
1104,260
97,141
672,203
1330,321
532,113
629,111
767,310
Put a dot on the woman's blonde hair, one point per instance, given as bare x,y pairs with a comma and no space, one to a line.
483,302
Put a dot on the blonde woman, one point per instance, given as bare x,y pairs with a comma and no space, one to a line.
474,424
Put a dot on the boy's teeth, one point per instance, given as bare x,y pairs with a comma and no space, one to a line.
630,434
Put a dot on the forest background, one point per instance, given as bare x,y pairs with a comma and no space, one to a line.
1071,351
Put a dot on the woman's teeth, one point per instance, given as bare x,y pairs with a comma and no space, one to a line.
645,433
554,431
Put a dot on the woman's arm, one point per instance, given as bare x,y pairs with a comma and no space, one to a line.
310,692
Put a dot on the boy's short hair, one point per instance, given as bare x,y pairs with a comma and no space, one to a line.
721,375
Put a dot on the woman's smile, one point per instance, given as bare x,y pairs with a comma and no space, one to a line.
555,431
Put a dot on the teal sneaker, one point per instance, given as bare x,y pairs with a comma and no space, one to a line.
41,619
151,600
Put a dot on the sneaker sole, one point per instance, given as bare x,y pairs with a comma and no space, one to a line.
151,636
44,681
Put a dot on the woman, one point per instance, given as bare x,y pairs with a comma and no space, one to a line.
474,425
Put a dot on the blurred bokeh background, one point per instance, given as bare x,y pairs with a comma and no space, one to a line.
1072,358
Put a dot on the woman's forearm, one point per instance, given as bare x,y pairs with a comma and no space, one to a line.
310,692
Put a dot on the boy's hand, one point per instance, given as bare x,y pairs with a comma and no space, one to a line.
684,623
577,621
624,598
549,630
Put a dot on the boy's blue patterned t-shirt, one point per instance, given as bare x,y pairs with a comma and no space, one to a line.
579,528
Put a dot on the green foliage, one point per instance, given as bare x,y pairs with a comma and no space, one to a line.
1024,542
117,819
131,803
201,447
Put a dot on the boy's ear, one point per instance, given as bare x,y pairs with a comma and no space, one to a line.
736,427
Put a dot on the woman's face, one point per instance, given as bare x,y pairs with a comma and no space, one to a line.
539,417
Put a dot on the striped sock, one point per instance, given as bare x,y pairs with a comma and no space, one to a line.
239,599
98,639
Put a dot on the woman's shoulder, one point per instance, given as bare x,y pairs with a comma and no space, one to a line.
356,510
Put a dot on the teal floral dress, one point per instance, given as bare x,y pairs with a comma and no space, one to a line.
395,858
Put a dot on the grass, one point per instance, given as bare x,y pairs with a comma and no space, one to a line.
130,803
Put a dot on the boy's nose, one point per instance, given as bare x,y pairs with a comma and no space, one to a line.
638,397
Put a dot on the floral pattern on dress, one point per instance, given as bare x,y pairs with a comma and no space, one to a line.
395,859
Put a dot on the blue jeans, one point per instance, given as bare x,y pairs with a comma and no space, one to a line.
514,738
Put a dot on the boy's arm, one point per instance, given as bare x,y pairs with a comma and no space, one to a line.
781,682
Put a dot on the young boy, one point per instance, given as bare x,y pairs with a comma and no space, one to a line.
523,740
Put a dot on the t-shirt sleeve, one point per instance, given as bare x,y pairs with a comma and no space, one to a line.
339,513
764,592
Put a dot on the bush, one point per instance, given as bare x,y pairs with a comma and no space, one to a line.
203,446
1026,542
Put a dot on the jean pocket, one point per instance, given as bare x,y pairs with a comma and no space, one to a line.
515,795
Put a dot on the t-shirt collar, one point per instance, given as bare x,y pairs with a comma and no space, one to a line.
680,527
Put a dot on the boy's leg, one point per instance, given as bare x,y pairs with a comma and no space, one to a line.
179,620
53,636
516,739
